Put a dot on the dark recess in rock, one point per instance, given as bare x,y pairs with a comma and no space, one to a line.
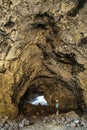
38,16
75,11
39,25
3,45
48,20
69,59
83,42
3,32
9,24
3,70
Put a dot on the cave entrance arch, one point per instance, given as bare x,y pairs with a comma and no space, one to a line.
34,103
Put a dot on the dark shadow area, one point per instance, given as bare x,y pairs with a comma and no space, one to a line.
33,103
80,5
39,25
83,42
9,24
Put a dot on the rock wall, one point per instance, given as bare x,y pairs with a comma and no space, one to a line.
43,47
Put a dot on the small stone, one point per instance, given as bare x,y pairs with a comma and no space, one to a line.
1,124
6,126
73,125
68,125
31,122
4,119
63,119
21,125
85,121
47,120
49,126
68,119
83,124
44,121
25,122
76,121
53,122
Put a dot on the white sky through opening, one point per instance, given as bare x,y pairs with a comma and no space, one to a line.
39,100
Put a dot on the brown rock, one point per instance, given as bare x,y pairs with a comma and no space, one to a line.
43,49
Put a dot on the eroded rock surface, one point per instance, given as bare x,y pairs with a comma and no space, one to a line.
69,121
43,47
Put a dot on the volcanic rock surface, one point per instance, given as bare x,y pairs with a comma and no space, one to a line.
43,49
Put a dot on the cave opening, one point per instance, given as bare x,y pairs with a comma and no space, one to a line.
34,103
39,100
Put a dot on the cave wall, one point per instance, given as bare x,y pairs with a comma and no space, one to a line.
43,45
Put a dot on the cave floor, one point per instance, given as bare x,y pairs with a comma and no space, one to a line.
64,121
40,126
50,122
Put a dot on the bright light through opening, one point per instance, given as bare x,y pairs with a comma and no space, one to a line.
39,100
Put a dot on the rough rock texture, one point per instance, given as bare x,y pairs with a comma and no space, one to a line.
43,48
69,121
